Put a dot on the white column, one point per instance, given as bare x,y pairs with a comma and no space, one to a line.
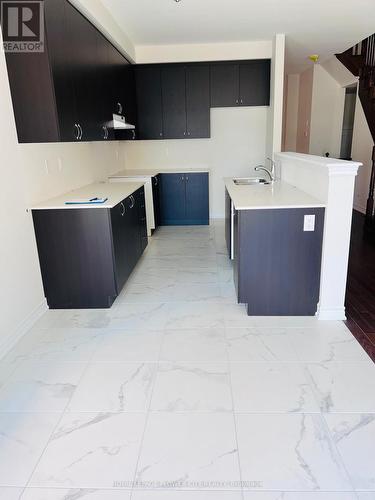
275,116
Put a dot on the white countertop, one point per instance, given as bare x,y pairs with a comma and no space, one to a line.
277,195
148,172
115,192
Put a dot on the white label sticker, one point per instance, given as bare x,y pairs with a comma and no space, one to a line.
309,223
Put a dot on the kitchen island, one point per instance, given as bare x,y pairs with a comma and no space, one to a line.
274,235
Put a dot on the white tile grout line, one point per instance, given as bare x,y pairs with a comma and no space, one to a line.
147,417
234,419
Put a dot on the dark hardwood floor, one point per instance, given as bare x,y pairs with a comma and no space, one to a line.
360,292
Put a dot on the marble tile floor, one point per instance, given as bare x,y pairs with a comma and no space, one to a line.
176,394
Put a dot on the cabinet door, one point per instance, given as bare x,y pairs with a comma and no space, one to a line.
142,222
197,198
128,101
156,199
225,85
83,47
198,101
76,257
119,220
174,101
103,84
133,233
255,83
150,120
61,67
172,199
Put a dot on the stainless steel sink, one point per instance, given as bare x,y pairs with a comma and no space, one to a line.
249,181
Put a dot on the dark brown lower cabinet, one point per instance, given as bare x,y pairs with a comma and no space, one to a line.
276,263
87,254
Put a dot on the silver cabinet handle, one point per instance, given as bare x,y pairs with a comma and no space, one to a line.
122,209
132,201
105,132
133,134
187,178
81,132
236,101
156,182
182,177
161,134
189,133
77,130
184,133
241,101
119,107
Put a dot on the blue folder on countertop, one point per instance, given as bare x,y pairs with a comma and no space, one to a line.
91,201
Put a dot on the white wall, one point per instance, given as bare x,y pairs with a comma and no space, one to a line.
203,52
327,113
304,111
362,152
291,112
25,180
237,144
339,72
315,127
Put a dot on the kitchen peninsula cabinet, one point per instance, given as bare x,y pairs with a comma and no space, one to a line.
87,253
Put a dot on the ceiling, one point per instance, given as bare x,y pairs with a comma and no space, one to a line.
324,27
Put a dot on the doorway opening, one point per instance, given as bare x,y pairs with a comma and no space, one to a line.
348,123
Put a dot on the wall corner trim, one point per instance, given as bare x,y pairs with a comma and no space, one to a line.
22,329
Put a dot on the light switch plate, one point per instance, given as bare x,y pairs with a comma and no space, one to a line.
309,223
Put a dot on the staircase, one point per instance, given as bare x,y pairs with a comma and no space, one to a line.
360,60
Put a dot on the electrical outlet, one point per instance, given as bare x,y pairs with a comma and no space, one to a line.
309,223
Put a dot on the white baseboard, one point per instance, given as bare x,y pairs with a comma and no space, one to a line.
337,314
22,329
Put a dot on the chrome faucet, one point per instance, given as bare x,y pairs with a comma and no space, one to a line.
271,173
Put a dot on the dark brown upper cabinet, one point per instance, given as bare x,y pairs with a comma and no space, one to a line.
225,85
186,101
69,91
149,102
173,101
240,83
198,101
128,101
255,83
173,84
81,46
104,104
